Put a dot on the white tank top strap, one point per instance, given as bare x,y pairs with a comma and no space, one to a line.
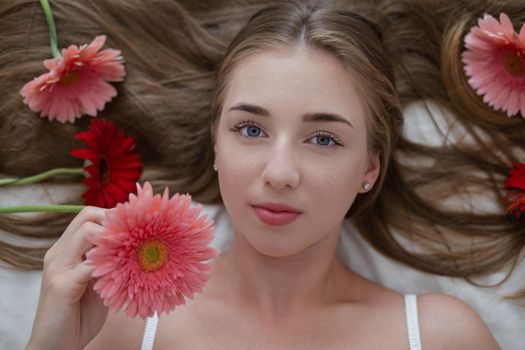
149,332
414,339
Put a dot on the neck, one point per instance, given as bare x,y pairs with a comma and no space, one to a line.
276,286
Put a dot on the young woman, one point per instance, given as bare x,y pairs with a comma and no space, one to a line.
305,120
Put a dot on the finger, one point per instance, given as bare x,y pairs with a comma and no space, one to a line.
78,278
92,214
82,272
73,251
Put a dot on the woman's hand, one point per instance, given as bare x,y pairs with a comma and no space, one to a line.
69,313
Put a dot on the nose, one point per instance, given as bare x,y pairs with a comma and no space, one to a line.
281,170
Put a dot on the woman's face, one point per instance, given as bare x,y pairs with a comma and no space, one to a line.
291,132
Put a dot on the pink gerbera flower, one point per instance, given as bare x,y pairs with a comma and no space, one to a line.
495,62
76,83
151,255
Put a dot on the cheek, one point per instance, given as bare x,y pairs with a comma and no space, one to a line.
334,184
236,170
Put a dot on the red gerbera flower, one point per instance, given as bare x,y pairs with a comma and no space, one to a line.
152,254
76,83
516,191
112,164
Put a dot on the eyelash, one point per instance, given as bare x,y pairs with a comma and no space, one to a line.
322,133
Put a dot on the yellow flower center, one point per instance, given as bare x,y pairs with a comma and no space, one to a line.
514,63
70,78
152,255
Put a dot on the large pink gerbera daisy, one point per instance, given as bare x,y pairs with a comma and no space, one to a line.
152,253
76,83
495,62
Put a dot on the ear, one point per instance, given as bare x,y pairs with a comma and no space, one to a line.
372,172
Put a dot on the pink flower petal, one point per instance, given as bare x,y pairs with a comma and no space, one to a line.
506,24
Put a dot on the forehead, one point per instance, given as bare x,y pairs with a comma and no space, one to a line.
295,80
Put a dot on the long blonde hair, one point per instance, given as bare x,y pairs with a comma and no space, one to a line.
179,54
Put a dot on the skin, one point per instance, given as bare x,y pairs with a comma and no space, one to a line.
279,287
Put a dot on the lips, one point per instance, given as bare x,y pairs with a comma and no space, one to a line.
276,214
277,207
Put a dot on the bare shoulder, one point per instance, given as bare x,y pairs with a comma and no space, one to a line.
119,332
448,323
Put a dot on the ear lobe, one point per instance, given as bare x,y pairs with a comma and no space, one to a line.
373,169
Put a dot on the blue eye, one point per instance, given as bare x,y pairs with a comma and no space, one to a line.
247,128
324,138
252,131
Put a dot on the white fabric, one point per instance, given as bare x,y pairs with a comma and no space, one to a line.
414,340
149,332
19,290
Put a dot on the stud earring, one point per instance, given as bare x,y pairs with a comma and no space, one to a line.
366,186
214,166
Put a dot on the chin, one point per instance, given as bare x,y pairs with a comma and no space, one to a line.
277,246
277,252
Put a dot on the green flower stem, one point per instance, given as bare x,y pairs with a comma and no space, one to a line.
42,208
42,176
52,28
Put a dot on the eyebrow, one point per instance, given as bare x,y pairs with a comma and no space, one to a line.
309,117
